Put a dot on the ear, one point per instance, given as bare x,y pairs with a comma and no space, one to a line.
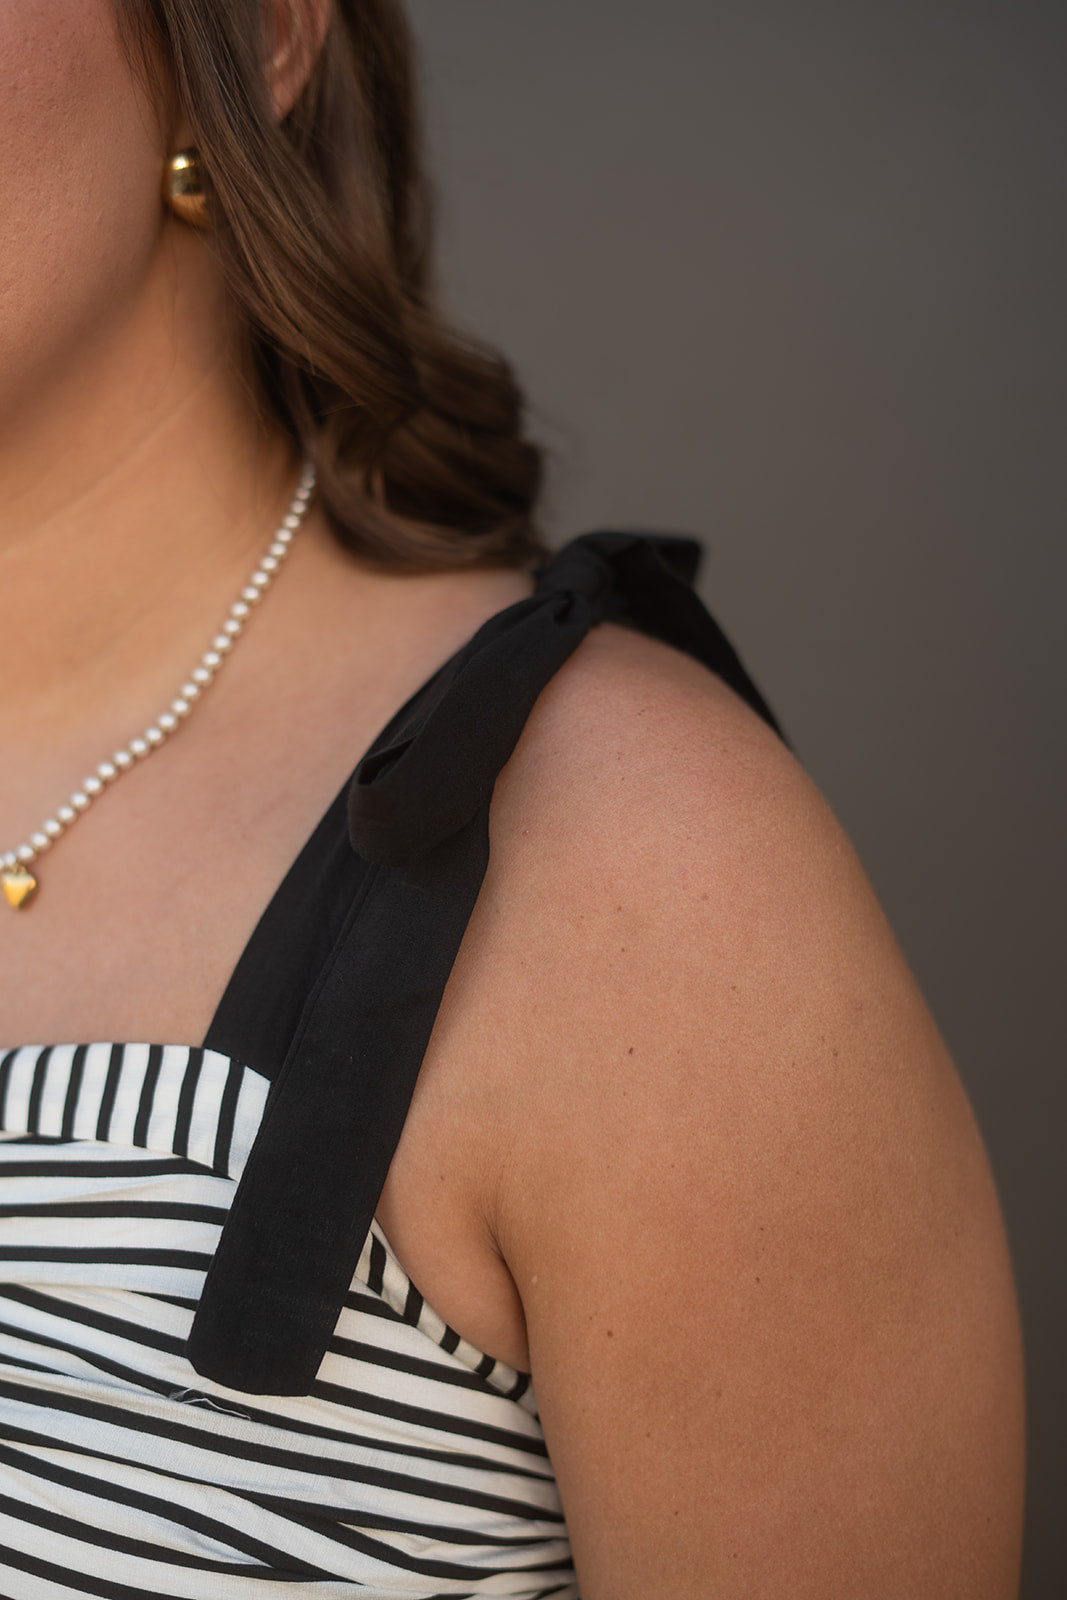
294,31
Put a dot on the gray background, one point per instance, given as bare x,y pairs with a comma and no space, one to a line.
790,276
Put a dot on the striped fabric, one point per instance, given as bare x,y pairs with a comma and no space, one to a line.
415,1469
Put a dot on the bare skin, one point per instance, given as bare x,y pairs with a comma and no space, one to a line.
686,1143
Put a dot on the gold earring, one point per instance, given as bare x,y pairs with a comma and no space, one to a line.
183,188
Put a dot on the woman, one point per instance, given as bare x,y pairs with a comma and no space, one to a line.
684,1144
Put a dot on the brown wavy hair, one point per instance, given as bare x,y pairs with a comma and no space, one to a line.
320,223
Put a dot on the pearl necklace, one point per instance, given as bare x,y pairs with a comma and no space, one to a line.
17,881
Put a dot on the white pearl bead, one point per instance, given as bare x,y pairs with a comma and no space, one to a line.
278,550
123,759
40,841
232,627
167,721
260,581
155,734
180,707
268,564
11,861
190,691
93,786
25,853
139,748
107,771
222,642
240,610
250,595
206,670
52,828
290,523
67,815
80,800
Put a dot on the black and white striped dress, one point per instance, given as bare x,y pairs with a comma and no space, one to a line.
415,1467
216,1382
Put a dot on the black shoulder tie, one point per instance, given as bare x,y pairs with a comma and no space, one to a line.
418,814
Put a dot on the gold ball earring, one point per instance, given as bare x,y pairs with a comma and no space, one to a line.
183,188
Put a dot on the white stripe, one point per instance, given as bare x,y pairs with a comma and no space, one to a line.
94,1077
128,1096
20,1083
250,1103
56,1083
204,1126
172,1071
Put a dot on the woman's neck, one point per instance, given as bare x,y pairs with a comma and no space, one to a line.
138,489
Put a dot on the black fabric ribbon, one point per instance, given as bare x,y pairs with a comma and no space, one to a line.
418,812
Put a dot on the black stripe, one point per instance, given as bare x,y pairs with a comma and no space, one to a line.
376,1272
70,1104
107,1099
520,1386
363,1303
450,1340
186,1098
133,1165
167,1210
148,1094
126,1256
413,1305
45,1139
227,1112
5,1080
40,1073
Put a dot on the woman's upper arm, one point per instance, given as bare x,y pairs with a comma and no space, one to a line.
770,1314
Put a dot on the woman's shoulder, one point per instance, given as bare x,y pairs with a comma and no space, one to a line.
737,1179
669,889
638,765
674,923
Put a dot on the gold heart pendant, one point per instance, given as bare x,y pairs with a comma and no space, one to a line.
19,886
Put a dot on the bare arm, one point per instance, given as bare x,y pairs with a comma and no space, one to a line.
745,1205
